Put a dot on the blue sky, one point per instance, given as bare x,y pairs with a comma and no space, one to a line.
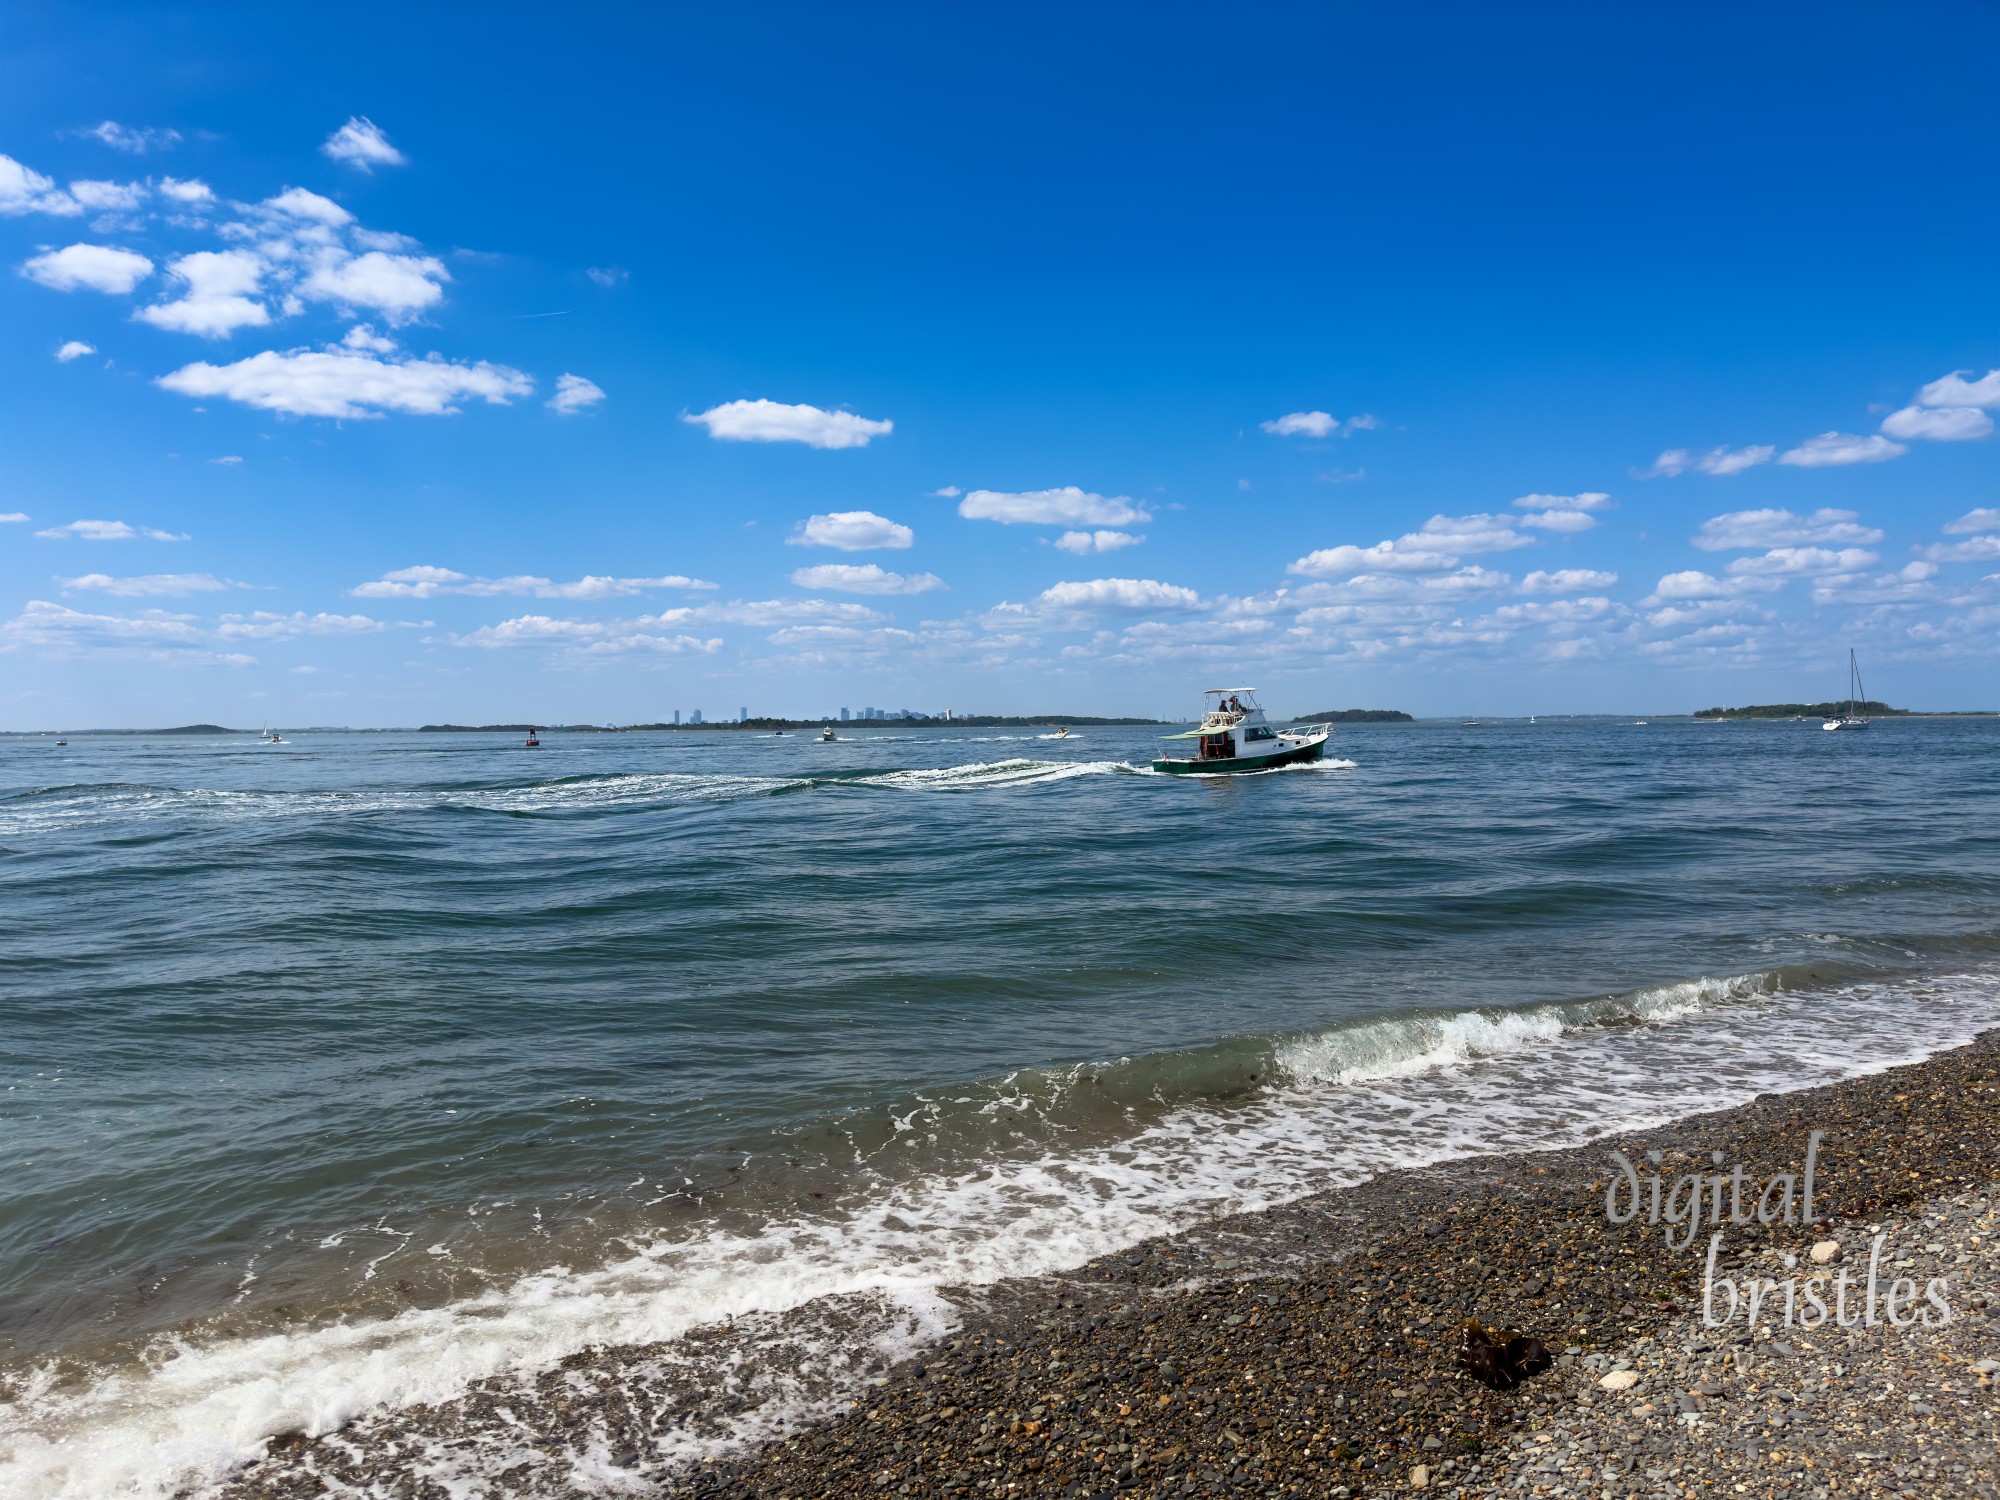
367,366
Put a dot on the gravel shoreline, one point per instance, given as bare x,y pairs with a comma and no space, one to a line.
1311,1350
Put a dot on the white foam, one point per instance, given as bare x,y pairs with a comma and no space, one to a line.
1355,1103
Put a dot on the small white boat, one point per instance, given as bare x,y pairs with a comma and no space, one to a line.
826,734
1856,696
60,743
272,737
1235,736
1062,732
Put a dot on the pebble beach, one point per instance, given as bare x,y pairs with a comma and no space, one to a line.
1312,1349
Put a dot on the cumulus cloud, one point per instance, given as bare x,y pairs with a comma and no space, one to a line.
947,492
1317,424
214,305
590,637
108,197
155,635
1560,520
96,268
74,349
304,204
339,382
1693,584
14,517
774,422
1089,543
1985,518
1121,595
1433,547
109,531
866,578
574,394
148,585
263,625
1938,424
1718,462
134,140
1068,506
852,531
25,191
608,276
361,143
1835,449
426,581
1811,560
1748,529
1973,549
190,193
1952,390
1566,581
1586,500
396,286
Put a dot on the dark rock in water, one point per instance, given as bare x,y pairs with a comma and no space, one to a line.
1500,1358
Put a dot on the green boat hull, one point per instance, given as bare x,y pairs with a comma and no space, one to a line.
1298,754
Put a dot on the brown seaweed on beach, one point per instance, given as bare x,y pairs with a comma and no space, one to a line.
1500,1358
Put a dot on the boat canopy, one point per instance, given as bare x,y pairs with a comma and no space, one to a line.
1224,692
1194,734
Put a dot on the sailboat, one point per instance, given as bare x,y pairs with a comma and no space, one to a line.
1856,696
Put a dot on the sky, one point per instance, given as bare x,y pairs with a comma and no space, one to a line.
368,365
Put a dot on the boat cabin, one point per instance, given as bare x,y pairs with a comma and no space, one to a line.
1232,725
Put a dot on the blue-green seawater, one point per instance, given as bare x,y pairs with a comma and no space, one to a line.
337,1073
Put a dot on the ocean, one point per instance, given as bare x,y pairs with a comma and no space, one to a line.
337,1074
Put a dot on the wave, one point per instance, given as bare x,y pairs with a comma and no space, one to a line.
1028,1174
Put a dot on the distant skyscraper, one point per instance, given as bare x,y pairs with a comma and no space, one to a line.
677,716
843,716
695,717
742,715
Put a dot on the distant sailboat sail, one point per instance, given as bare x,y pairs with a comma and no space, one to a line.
1856,697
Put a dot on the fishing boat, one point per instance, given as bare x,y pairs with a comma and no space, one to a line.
826,734
1856,696
534,739
1234,735
272,737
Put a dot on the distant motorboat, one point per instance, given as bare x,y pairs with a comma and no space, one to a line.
1856,695
1235,736
1062,732
1640,722
826,734
272,737
1468,723
62,742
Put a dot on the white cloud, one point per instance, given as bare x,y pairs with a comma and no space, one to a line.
1717,462
25,191
608,276
867,578
1944,424
108,197
774,422
852,531
14,518
1587,500
1068,506
1566,581
1087,543
135,140
363,336
109,531
427,582
97,268
593,637
361,143
1810,560
1972,549
74,349
153,634
949,492
1952,390
1433,547
265,626
147,585
214,305
1985,518
1105,595
1316,424
397,286
190,192
1560,520
1748,529
300,203
338,383
1696,585
1835,449
574,394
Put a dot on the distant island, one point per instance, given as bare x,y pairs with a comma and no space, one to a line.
1356,716
769,726
1870,708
